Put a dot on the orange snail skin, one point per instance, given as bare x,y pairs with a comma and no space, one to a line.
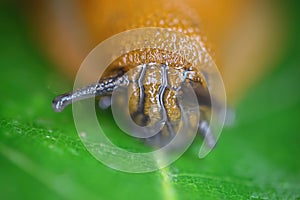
158,64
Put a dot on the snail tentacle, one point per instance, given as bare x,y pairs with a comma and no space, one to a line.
207,134
104,87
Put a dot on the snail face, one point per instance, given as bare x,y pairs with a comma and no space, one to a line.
152,93
155,90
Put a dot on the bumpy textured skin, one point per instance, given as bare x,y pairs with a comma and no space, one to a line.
107,18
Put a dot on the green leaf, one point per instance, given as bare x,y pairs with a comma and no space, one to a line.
41,156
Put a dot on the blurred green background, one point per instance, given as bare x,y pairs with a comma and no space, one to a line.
41,156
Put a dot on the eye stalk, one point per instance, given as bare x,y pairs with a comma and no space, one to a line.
104,87
62,101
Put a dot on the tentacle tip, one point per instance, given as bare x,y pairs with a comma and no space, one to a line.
57,103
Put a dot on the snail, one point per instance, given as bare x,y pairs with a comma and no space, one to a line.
157,77
245,36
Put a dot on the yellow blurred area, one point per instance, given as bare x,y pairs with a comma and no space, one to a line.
246,36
